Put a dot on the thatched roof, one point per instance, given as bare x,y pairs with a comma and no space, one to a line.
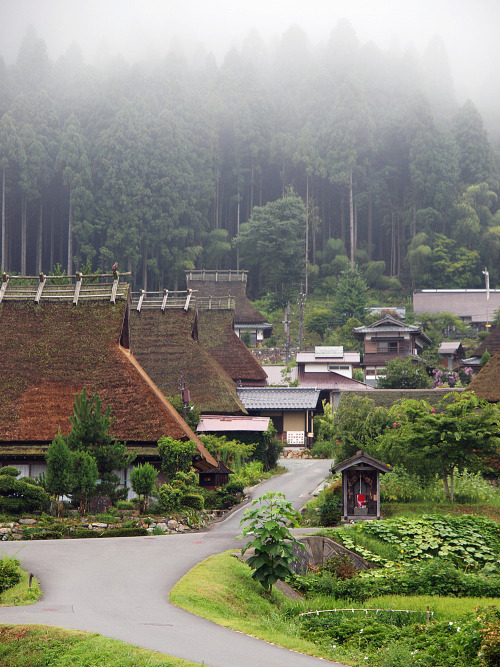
492,343
216,334
486,384
51,351
166,345
227,284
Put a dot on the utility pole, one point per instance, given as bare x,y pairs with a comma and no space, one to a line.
286,323
302,300
487,285
185,397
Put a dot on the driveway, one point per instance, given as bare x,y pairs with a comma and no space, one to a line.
119,587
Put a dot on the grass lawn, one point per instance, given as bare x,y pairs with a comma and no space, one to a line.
36,645
221,589
21,593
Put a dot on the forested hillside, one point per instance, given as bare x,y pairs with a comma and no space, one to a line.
157,164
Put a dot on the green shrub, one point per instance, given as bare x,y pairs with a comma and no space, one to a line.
339,566
400,486
169,498
124,505
194,500
18,496
10,470
10,573
234,486
212,499
125,532
323,449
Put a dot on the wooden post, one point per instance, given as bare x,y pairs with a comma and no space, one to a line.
41,285
164,302
78,285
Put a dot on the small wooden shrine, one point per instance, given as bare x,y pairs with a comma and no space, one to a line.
361,486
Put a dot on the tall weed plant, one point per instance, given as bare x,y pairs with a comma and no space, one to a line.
403,487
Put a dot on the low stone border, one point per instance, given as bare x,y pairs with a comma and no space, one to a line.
37,528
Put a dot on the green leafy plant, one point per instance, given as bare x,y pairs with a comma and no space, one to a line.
272,542
176,456
143,478
10,573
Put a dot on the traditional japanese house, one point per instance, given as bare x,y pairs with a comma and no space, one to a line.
474,306
216,334
60,338
249,324
164,332
291,408
451,354
361,486
388,339
486,384
329,369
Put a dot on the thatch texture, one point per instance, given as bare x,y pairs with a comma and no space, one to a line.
486,384
215,330
52,351
492,343
165,345
244,312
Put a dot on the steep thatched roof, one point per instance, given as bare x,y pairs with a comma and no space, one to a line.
486,384
166,345
229,284
492,343
216,334
51,351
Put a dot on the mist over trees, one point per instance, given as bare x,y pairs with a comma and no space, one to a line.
159,165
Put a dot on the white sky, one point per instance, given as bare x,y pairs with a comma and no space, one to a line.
469,28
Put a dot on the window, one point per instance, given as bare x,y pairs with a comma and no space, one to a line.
387,346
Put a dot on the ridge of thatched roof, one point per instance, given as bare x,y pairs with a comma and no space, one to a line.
165,345
216,334
50,352
492,343
244,311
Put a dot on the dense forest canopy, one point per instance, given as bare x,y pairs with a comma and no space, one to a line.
159,165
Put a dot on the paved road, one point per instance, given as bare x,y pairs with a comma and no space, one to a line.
119,587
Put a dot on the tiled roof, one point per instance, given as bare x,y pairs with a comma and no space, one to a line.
363,458
449,347
275,374
216,334
51,351
277,398
387,324
334,381
165,345
311,357
470,303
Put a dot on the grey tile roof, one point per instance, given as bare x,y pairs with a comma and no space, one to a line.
276,398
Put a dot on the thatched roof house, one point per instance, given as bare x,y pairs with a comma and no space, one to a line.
216,334
166,344
230,285
67,339
486,384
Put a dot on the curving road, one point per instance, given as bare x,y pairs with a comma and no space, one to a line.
119,587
